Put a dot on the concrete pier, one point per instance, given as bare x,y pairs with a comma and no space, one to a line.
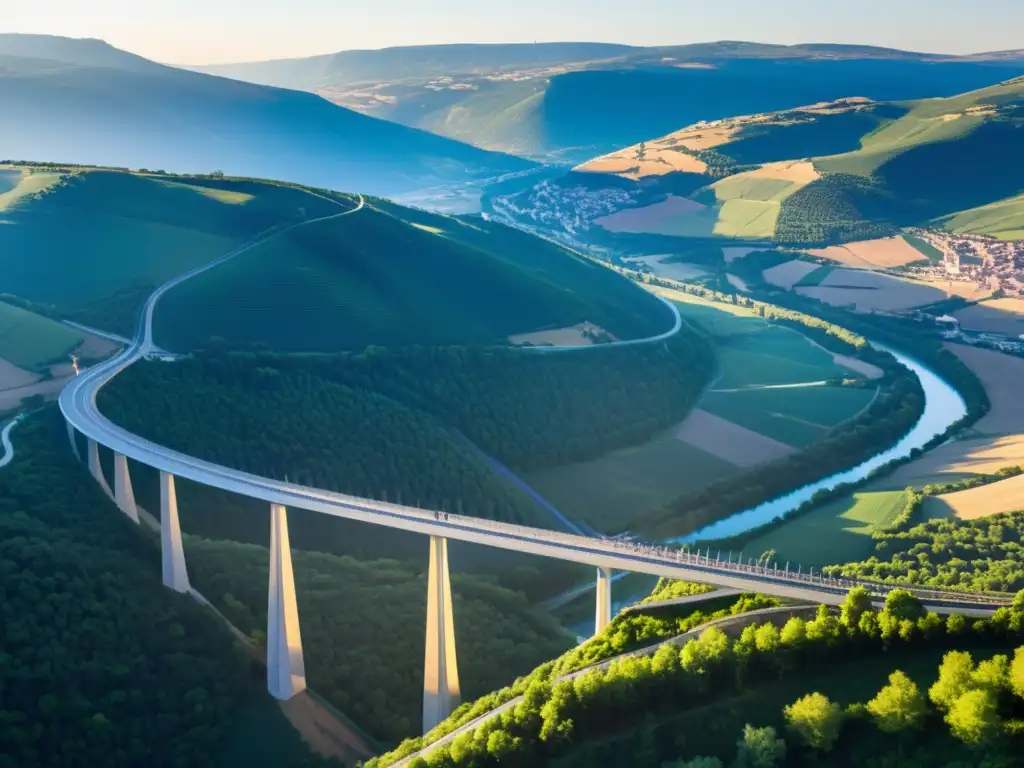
603,615
174,573
96,470
123,493
286,668
74,441
441,692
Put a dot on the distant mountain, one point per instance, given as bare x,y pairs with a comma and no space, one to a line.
83,101
572,101
411,62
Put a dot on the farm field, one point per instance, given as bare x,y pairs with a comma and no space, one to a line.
838,532
975,503
17,185
789,273
815,278
797,416
750,202
610,492
721,437
29,341
883,253
675,216
869,291
1003,219
1004,316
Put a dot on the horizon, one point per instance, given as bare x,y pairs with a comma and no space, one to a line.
197,33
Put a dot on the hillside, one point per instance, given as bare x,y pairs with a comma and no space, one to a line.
84,102
392,276
571,103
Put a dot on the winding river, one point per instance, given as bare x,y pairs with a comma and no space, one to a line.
943,407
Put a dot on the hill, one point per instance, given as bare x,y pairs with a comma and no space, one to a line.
570,102
84,102
392,276
411,62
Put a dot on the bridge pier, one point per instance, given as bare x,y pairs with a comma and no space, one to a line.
173,554
123,493
441,692
286,668
74,441
95,469
603,615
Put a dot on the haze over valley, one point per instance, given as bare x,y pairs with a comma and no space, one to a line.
593,401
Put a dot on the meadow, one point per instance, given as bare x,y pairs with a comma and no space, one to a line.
1003,219
838,532
31,341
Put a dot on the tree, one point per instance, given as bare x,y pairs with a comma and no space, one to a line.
794,632
956,677
1017,672
1018,602
858,601
815,720
899,706
901,604
993,674
759,748
974,717
766,638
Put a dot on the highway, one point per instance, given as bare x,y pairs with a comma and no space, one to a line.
78,404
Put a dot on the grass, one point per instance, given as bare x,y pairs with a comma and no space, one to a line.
30,341
1003,219
838,532
390,276
97,235
815,278
17,186
771,355
750,204
608,493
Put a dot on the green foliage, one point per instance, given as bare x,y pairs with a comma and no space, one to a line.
974,717
394,277
759,748
815,720
837,208
899,706
100,664
858,601
31,341
956,677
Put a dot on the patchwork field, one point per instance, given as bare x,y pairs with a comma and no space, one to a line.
671,269
674,216
884,253
996,441
28,340
795,416
749,203
789,274
871,291
835,533
731,431
1004,316
657,158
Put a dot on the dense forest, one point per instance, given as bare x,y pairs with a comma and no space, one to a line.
837,208
364,623
99,663
396,423
677,703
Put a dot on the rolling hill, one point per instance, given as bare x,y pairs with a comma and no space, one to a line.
92,244
573,101
82,101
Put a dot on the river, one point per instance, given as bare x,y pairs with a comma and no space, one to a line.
943,407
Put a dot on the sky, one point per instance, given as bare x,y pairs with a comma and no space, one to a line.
221,31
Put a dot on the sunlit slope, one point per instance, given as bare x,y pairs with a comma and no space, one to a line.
1003,219
391,276
92,244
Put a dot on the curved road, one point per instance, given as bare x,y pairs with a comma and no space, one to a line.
78,404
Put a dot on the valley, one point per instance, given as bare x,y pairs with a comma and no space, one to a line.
556,404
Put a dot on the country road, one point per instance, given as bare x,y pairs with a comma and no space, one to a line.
5,439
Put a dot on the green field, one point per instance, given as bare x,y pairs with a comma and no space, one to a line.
391,276
770,355
926,249
29,340
796,417
1003,219
610,492
749,204
839,532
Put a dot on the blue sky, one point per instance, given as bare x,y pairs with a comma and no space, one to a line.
209,31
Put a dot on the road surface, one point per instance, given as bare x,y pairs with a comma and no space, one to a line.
5,439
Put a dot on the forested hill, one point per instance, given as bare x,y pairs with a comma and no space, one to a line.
396,422
100,665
